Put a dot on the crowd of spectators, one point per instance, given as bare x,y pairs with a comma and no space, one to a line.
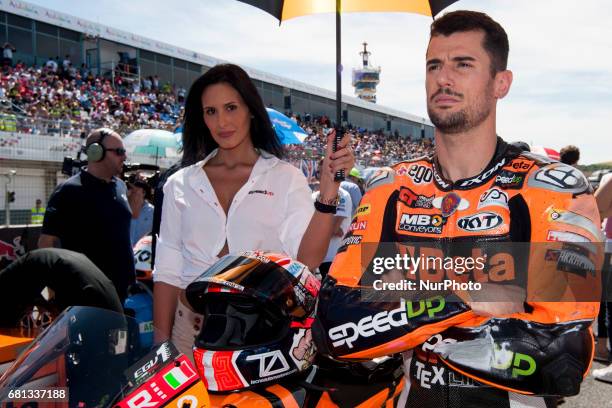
371,148
57,98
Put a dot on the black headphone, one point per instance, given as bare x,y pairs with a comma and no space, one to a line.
96,151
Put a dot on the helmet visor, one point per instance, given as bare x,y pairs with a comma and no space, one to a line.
234,321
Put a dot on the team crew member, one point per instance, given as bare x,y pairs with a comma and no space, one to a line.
465,351
89,213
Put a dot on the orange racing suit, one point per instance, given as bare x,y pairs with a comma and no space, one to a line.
454,357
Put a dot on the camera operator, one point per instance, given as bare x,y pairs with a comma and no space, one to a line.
89,213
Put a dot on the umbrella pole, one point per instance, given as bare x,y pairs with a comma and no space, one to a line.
340,174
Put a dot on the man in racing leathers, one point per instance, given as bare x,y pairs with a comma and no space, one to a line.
515,351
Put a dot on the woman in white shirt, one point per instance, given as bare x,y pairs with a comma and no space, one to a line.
241,196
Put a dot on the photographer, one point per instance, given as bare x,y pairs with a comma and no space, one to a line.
89,213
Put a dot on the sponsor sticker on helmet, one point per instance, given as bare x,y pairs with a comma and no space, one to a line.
270,363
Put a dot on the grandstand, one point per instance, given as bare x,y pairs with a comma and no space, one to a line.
69,75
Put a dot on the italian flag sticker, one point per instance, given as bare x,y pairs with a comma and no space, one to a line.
179,376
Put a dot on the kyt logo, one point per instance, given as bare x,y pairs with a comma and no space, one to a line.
270,363
480,222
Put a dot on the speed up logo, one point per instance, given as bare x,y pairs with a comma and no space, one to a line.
480,222
383,321
522,365
422,223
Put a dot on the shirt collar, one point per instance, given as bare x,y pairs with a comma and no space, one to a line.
498,160
265,162
89,179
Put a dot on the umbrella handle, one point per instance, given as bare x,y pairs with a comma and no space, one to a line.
339,175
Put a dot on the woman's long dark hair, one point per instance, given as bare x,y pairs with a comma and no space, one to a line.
197,140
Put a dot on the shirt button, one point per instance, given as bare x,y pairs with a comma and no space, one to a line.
197,320
196,327
180,313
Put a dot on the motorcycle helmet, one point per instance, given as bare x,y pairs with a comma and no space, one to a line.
142,259
258,311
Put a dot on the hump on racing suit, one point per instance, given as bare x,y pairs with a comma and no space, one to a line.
412,209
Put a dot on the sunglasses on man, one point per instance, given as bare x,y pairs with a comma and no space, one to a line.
119,151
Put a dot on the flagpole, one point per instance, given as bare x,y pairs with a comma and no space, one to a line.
339,174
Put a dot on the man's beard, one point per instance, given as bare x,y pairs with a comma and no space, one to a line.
464,119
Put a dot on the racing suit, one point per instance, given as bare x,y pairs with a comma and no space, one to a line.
453,357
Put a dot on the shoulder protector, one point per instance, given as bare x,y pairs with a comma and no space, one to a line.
382,176
560,178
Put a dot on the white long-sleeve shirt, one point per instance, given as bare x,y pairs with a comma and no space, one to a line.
271,211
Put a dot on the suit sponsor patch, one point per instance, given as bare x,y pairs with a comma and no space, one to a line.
480,222
421,223
493,197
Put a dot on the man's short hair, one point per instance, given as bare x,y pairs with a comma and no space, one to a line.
495,40
570,155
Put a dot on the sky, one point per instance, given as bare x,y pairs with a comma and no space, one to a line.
560,55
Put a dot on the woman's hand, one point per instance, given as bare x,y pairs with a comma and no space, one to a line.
342,159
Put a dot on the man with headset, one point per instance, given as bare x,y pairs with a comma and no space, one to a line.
89,213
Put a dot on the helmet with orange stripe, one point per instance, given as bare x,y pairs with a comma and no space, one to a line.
258,311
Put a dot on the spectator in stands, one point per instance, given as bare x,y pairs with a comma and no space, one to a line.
7,54
570,155
217,205
89,213
147,83
66,62
139,194
51,65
